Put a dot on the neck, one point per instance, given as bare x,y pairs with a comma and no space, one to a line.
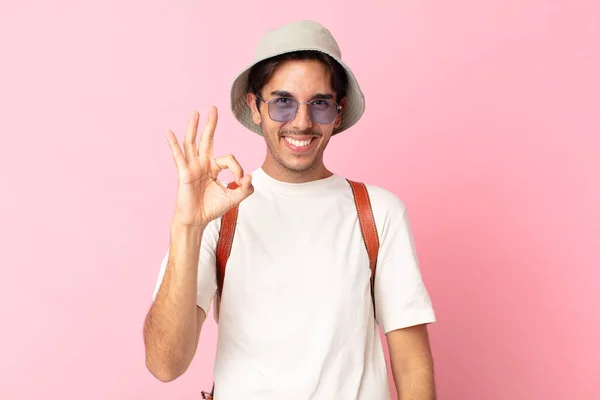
281,173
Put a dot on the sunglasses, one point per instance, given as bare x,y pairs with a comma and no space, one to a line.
284,109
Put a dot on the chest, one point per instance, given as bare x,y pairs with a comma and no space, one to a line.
297,253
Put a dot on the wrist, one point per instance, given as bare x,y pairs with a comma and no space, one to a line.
180,223
185,242
179,227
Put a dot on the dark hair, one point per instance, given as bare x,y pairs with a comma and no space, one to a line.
261,73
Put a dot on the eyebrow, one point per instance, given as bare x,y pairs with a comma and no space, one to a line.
285,93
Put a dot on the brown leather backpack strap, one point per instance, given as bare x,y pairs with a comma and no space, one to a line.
224,242
367,227
226,233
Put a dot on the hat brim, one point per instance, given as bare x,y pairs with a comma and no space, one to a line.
353,111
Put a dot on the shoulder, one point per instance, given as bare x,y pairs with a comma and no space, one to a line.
389,210
384,200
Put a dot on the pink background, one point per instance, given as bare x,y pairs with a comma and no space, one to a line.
483,116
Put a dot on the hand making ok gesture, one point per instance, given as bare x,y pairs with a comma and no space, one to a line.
201,198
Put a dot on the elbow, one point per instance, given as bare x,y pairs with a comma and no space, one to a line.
165,372
163,375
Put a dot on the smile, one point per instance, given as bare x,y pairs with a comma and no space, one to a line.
299,143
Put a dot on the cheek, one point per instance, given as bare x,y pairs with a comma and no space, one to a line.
271,129
326,131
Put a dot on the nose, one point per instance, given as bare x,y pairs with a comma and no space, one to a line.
302,119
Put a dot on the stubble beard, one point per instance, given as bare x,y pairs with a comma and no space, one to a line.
291,168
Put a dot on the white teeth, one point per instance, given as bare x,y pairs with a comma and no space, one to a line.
298,143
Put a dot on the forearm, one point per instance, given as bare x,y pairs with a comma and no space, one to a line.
416,384
171,326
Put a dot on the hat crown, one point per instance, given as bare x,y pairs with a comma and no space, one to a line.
306,34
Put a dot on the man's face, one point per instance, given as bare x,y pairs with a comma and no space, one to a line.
296,145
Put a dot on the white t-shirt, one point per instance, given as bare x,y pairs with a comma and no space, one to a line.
296,318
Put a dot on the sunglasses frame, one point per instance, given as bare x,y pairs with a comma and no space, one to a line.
337,107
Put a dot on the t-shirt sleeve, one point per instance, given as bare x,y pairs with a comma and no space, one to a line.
401,297
207,277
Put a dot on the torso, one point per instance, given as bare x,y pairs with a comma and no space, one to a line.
296,317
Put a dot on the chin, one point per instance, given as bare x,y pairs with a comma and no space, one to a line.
297,166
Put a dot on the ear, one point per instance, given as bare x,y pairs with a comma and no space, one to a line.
338,119
251,101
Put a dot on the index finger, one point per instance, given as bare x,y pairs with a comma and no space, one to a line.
205,144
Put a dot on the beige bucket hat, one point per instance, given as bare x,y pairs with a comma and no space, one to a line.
300,35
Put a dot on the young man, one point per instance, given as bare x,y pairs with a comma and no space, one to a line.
297,314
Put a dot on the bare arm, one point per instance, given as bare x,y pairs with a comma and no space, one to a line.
172,326
412,363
